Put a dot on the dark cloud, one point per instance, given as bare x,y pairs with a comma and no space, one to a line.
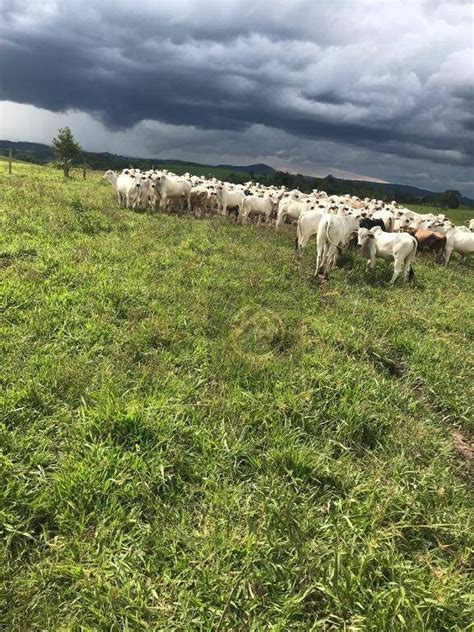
379,83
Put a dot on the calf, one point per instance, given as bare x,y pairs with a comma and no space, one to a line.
397,247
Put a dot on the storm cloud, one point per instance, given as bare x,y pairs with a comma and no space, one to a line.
383,89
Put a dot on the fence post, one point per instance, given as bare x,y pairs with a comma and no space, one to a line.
10,155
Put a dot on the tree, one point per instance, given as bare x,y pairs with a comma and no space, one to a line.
66,149
450,198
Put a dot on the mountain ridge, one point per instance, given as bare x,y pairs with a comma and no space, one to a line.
42,153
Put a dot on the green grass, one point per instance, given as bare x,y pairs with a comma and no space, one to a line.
193,169
5,160
196,437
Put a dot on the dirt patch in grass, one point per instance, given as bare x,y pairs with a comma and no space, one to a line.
389,364
7,259
462,442
393,366
463,446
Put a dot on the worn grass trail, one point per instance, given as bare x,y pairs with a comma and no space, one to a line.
195,436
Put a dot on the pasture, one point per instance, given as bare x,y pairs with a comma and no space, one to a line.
198,437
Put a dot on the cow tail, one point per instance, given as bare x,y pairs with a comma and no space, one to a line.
326,247
298,236
328,226
411,274
328,239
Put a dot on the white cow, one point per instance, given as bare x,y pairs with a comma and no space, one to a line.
458,240
111,177
308,224
292,207
227,198
397,247
167,188
334,231
124,185
260,205
471,225
127,188
144,193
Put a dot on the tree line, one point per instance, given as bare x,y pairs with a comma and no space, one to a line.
68,153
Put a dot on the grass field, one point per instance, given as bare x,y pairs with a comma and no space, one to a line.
197,437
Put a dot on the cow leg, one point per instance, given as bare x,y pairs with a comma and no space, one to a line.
318,263
321,261
447,255
370,265
326,260
300,244
334,257
397,270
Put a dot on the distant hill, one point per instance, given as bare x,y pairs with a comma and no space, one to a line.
30,152
42,154
406,188
260,169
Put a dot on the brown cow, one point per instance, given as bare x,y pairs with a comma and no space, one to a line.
428,241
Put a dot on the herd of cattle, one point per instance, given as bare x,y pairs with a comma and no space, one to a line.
388,231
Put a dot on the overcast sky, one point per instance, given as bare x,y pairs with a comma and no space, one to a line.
378,89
